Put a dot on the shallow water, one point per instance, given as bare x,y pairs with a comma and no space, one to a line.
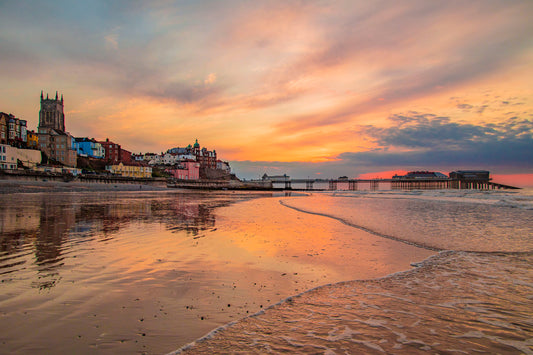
109,272
445,221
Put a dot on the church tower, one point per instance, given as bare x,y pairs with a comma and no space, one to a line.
51,115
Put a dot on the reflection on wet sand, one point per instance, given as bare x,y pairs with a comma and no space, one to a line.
126,272
45,222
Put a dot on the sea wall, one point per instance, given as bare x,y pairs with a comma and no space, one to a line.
31,181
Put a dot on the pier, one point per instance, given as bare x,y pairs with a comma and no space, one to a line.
395,184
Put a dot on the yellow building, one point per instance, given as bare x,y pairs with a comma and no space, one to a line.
135,170
33,140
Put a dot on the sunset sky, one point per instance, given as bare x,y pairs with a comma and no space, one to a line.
307,88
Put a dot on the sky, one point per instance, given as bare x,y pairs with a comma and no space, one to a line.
307,88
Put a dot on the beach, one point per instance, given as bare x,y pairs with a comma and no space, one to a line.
156,271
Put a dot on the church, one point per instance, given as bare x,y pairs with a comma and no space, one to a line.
54,141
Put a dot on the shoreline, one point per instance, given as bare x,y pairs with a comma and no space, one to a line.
210,335
436,254
411,288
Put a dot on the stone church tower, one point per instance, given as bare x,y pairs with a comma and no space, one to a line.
54,141
51,114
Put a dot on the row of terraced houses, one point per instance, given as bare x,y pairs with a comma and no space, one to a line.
53,147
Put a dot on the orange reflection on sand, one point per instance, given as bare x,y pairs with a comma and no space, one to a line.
290,241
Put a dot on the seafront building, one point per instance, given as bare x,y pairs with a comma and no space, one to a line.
185,170
206,158
13,131
11,157
33,140
223,166
88,147
112,151
134,170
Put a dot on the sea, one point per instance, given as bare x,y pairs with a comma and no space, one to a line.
332,272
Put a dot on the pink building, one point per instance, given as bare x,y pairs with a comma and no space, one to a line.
186,170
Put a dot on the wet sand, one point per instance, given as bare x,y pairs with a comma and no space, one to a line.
151,272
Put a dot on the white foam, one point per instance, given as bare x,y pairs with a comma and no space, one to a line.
505,198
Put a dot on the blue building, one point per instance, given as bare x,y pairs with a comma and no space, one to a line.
88,147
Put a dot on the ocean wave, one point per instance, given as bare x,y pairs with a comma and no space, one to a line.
522,199
373,232
436,224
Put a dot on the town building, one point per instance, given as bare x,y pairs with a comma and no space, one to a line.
13,131
125,156
32,140
88,147
185,170
11,157
4,118
7,159
54,141
224,166
137,157
206,158
135,170
112,151
150,156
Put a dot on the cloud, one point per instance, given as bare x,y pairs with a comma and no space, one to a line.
465,107
394,47
112,41
419,139
422,141
211,79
